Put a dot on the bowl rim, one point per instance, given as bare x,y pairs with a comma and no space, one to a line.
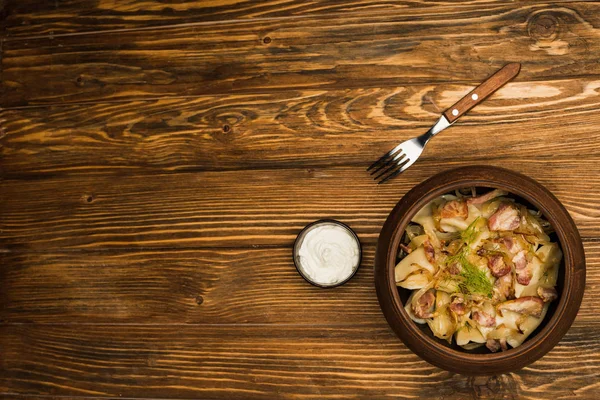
519,185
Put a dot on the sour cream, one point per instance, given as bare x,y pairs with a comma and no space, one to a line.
327,253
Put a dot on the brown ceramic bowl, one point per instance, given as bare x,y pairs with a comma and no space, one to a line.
570,285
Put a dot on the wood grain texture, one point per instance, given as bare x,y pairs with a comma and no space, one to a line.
299,128
392,48
49,397
240,208
175,287
216,286
259,362
33,18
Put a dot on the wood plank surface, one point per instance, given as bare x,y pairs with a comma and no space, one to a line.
33,18
299,128
158,158
387,49
241,208
260,362
178,286
217,286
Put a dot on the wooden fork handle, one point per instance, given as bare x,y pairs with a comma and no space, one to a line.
481,92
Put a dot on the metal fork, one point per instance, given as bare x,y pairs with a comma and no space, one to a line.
406,153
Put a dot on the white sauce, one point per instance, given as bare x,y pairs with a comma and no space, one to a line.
328,254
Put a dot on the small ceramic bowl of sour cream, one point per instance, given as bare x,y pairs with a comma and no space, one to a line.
327,253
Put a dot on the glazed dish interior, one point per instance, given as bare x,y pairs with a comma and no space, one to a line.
549,307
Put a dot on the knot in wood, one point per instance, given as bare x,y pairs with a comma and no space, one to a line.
543,26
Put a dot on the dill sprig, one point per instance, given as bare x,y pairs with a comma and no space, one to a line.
474,280
470,234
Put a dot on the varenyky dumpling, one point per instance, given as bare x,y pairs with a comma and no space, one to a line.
411,263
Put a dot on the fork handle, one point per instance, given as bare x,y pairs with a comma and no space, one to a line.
481,92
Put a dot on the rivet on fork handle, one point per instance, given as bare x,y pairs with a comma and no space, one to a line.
483,91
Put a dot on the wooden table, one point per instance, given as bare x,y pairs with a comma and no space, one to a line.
158,159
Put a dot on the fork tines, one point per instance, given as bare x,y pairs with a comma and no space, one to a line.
390,165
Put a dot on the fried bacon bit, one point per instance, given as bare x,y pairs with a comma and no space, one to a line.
458,306
405,248
483,318
547,294
529,305
524,276
503,288
424,306
429,251
493,345
524,272
511,244
454,268
492,194
455,208
496,344
520,260
506,218
497,265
